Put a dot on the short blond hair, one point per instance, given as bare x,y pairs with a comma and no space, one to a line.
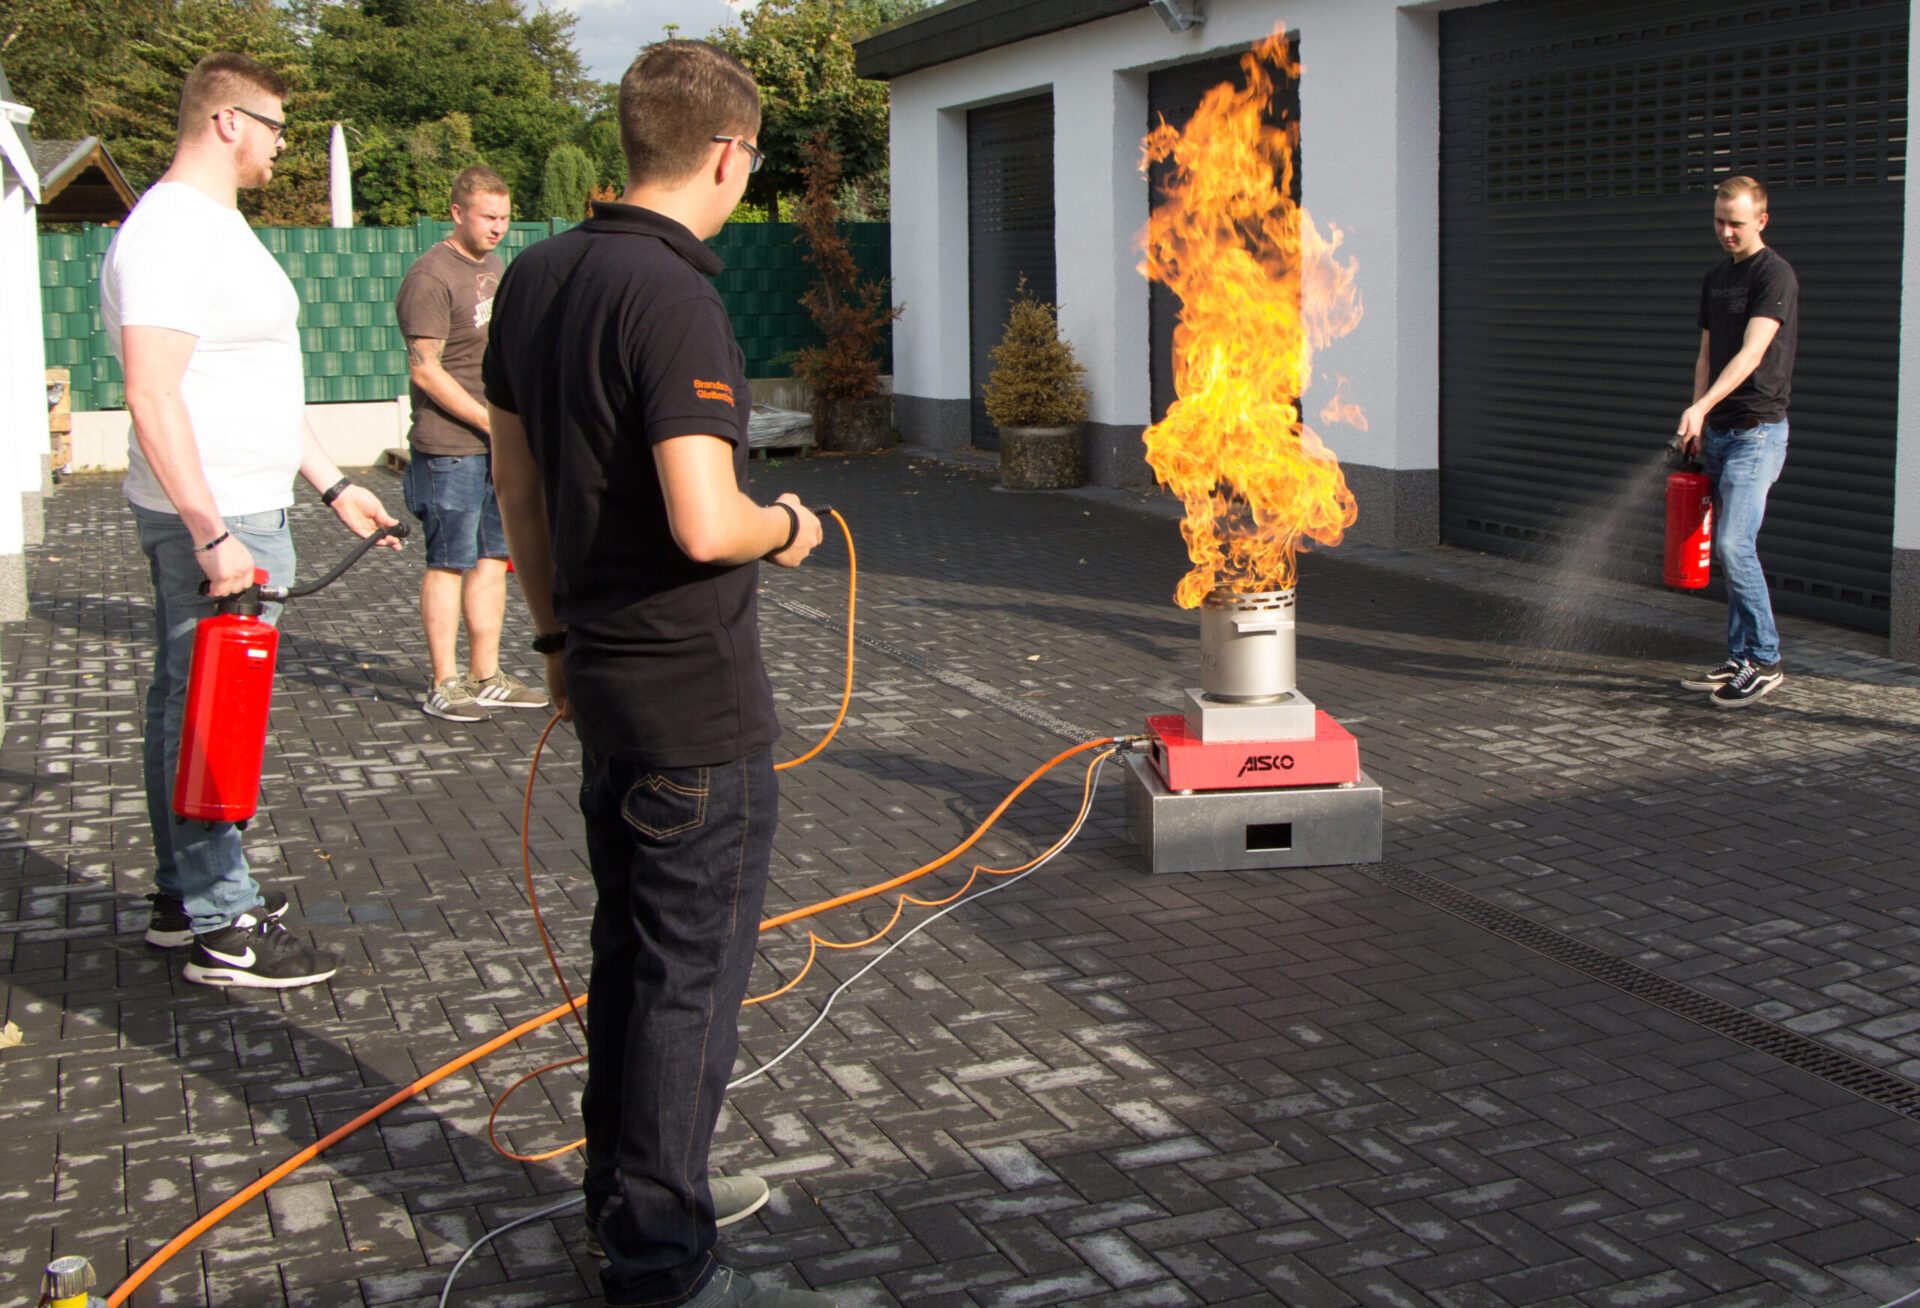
1734,187
477,180
217,81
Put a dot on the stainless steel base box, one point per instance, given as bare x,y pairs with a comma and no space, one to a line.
1245,830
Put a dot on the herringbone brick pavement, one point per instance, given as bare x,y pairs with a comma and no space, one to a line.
1096,1085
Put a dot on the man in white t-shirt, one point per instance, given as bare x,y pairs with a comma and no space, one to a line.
205,325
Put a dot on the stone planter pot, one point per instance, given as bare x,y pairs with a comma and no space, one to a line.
853,426
1042,458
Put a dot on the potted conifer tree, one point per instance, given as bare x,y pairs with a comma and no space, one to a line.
1036,398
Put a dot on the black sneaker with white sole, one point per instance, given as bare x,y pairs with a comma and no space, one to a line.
1715,679
257,954
171,928
1749,684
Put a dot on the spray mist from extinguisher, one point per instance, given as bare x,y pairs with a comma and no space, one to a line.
223,737
1689,554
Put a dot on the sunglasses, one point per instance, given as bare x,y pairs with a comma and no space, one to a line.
753,152
278,128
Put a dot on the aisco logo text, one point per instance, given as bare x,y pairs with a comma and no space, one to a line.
1266,763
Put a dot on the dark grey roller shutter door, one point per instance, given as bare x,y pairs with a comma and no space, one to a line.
1580,140
1009,227
1173,94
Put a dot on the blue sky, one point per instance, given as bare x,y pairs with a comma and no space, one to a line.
611,32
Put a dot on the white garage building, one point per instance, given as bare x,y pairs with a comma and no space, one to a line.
1526,186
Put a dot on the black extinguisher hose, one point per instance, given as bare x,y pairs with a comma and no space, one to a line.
399,531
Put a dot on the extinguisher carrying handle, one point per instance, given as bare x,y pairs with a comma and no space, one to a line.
1682,461
399,531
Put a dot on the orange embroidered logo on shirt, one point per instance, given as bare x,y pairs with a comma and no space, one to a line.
713,390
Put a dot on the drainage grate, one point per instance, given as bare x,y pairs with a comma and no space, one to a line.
1790,1047
959,681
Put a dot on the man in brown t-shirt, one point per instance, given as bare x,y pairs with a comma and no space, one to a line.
444,306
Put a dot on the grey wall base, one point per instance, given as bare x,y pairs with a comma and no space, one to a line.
13,587
33,517
936,424
1248,830
1116,456
1903,637
1399,507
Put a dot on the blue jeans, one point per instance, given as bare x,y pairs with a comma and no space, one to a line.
679,859
452,495
1743,465
199,863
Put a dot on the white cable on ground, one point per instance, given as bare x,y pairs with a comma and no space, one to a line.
1086,810
474,1248
1093,788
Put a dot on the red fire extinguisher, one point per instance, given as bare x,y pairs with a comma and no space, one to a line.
1689,555
223,736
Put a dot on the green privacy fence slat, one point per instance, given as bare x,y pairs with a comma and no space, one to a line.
346,279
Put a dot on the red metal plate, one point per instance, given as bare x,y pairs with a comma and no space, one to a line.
1331,757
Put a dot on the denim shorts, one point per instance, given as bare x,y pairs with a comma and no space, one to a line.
452,495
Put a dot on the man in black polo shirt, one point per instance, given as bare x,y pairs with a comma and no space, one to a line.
1749,331
619,410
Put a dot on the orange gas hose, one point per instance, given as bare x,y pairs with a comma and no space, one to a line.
326,1142
846,692
855,896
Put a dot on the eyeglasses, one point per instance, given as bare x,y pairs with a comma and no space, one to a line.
278,128
753,151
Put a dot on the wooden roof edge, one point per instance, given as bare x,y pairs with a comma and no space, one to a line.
89,152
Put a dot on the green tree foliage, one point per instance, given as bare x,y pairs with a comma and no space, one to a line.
424,86
1035,380
801,53
54,49
398,64
851,312
565,183
134,107
401,174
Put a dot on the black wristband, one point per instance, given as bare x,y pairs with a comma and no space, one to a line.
334,492
793,527
213,544
551,643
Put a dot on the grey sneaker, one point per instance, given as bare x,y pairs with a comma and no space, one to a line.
504,690
734,1197
453,700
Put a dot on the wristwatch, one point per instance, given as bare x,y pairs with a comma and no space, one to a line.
550,643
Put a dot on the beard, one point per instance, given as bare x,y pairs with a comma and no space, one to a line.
255,168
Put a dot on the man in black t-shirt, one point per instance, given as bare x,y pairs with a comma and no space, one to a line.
1749,331
619,406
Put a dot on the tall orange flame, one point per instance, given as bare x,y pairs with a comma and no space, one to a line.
1260,289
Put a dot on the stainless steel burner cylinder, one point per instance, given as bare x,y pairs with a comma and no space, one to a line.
1246,646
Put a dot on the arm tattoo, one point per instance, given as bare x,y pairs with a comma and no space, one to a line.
423,349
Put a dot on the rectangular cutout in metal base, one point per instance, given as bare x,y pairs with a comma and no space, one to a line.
1241,830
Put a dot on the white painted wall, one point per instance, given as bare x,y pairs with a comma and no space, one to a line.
23,365
353,435
1906,464
1369,162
